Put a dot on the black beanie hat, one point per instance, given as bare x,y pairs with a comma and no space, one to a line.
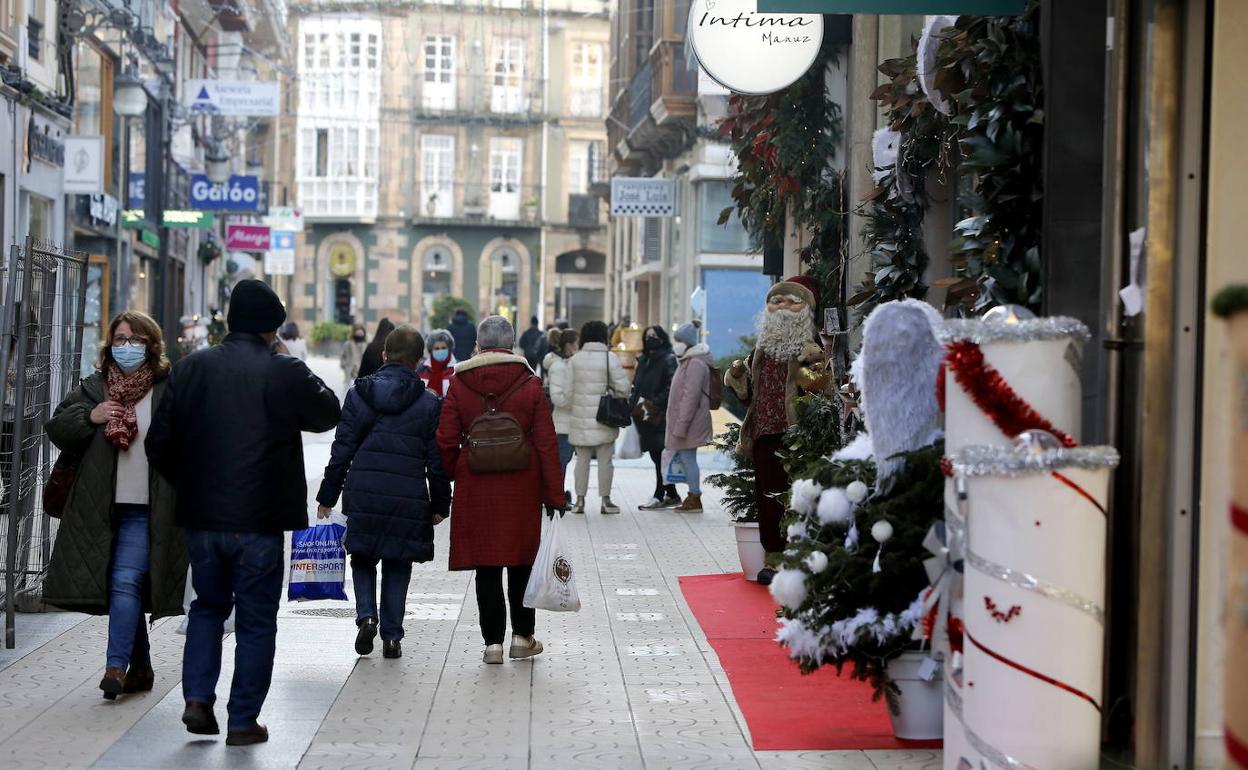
254,308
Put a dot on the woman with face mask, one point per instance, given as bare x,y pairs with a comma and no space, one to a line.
651,386
353,353
439,366
119,550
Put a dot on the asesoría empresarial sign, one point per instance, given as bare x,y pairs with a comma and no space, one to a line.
751,52
241,193
248,237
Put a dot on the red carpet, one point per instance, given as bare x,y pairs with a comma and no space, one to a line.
785,710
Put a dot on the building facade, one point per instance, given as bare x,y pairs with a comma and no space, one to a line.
446,149
668,271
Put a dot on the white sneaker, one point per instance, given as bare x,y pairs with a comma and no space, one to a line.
522,647
653,504
493,653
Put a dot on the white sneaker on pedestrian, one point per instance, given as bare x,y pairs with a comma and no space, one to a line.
523,647
493,653
653,504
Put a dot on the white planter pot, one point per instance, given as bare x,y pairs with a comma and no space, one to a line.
921,701
750,549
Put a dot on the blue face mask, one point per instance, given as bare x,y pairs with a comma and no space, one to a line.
441,354
129,357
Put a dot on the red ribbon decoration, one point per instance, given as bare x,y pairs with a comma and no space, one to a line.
1033,673
1235,748
1239,520
1082,492
994,396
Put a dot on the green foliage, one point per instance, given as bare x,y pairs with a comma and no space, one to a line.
738,485
328,331
814,436
724,363
784,144
849,589
1231,300
445,307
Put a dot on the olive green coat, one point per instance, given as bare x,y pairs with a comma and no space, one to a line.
78,575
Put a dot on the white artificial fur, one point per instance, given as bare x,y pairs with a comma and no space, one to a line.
834,506
783,333
797,531
896,374
858,449
788,586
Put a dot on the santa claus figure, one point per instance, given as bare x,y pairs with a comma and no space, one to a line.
768,382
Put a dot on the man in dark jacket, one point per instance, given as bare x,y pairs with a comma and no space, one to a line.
385,453
465,334
534,344
227,434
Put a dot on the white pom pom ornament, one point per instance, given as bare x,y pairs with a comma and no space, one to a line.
788,587
797,531
833,507
856,492
881,531
805,496
816,562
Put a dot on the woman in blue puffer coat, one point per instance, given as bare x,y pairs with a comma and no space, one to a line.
385,454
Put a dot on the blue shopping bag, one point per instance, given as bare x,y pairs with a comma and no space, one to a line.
318,562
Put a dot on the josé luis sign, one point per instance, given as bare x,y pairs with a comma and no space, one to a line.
247,237
241,193
751,52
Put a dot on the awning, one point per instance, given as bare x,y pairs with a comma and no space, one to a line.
958,7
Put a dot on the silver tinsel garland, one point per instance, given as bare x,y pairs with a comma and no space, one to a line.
1028,330
1011,461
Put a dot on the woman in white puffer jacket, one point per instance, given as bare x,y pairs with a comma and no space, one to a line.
579,385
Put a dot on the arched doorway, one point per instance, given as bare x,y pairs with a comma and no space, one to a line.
436,269
580,286
503,278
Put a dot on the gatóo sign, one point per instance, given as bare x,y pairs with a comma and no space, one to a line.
241,193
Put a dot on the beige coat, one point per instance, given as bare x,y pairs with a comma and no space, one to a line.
580,383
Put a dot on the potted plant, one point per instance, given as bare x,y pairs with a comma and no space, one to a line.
530,207
431,205
327,337
738,500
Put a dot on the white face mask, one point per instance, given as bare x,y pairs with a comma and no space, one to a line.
679,348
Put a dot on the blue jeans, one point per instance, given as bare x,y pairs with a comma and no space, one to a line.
689,458
127,634
566,450
395,575
240,571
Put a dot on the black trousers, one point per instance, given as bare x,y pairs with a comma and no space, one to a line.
493,609
770,478
661,487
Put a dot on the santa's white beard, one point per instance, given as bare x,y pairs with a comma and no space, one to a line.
783,333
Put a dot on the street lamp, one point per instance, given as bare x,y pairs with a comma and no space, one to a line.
217,165
129,96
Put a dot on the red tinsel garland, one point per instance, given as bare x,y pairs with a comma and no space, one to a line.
994,396
956,630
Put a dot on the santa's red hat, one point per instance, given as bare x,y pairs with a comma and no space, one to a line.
803,286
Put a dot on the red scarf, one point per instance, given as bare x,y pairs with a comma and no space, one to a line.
127,390
435,374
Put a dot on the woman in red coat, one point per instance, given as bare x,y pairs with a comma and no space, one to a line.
496,519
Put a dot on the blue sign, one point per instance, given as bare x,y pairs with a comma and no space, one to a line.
137,192
241,193
282,240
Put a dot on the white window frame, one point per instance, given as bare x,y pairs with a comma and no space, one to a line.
506,172
438,56
437,175
507,75
586,79
578,167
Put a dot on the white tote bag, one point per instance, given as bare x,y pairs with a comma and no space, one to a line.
628,447
552,586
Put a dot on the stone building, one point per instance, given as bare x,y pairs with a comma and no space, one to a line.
448,148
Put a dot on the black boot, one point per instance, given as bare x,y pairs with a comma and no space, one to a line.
364,639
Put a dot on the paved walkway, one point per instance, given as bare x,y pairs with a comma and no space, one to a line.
628,682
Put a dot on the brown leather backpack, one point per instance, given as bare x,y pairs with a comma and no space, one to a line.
495,441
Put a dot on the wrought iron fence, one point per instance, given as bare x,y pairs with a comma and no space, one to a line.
44,295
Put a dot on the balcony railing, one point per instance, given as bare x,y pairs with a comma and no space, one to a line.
477,97
640,95
477,203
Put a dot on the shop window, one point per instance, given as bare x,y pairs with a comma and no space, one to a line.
93,105
730,237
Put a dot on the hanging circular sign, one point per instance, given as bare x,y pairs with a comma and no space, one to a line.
751,52
342,260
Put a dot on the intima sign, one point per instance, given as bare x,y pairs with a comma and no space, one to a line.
750,52
959,7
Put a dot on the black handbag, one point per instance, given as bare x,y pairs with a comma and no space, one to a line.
614,412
